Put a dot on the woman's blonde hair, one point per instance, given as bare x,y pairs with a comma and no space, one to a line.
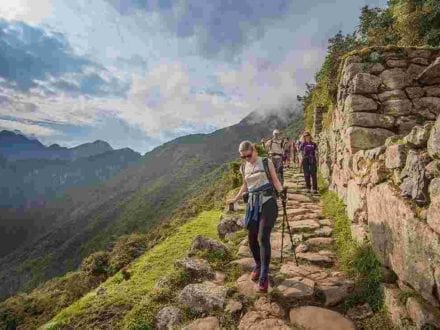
246,146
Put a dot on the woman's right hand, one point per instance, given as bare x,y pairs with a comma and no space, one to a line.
231,201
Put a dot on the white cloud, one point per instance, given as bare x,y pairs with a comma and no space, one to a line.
29,11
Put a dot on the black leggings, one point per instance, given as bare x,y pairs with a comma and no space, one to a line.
259,237
310,173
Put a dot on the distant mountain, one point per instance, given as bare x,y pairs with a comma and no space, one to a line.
34,181
134,200
15,146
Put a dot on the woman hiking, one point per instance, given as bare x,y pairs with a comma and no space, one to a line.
261,183
309,151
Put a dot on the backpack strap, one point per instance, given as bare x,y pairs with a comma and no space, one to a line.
266,169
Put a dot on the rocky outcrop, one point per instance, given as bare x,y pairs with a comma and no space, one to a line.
204,297
381,154
168,317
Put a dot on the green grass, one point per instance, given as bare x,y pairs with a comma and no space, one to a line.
117,305
358,260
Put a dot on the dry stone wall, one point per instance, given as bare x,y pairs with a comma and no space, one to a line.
381,154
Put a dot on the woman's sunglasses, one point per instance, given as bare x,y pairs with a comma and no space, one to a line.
246,156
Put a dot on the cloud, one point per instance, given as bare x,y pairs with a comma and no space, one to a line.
29,11
220,28
32,57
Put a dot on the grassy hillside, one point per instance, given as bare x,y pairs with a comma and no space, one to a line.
124,301
26,311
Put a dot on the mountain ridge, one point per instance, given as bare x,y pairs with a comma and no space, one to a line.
136,199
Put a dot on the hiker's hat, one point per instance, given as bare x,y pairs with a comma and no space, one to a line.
275,131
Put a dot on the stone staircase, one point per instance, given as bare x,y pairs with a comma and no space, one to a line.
304,296
308,289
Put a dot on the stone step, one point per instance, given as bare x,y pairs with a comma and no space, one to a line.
319,241
304,225
317,318
324,231
297,288
316,258
298,197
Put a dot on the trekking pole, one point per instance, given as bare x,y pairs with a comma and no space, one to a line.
284,203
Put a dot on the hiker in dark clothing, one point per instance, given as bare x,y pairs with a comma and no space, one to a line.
309,152
261,183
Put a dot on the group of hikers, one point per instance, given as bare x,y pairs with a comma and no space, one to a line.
263,179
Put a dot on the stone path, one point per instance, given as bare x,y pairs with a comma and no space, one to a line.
308,289
303,296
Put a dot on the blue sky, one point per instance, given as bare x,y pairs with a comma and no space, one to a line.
137,73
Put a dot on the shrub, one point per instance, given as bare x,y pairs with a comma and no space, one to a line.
96,264
126,249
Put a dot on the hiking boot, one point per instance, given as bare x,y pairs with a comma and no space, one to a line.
263,286
315,192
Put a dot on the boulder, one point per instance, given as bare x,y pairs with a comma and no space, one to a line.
395,156
419,135
422,314
208,244
415,182
168,317
420,60
203,297
360,138
359,103
297,288
399,107
365,83
395,78
365,119
401,241
415,92
228,226
433,215
197,269
265,305
335,294
258,320
207,323
396,311
316,318
431,74
434,141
